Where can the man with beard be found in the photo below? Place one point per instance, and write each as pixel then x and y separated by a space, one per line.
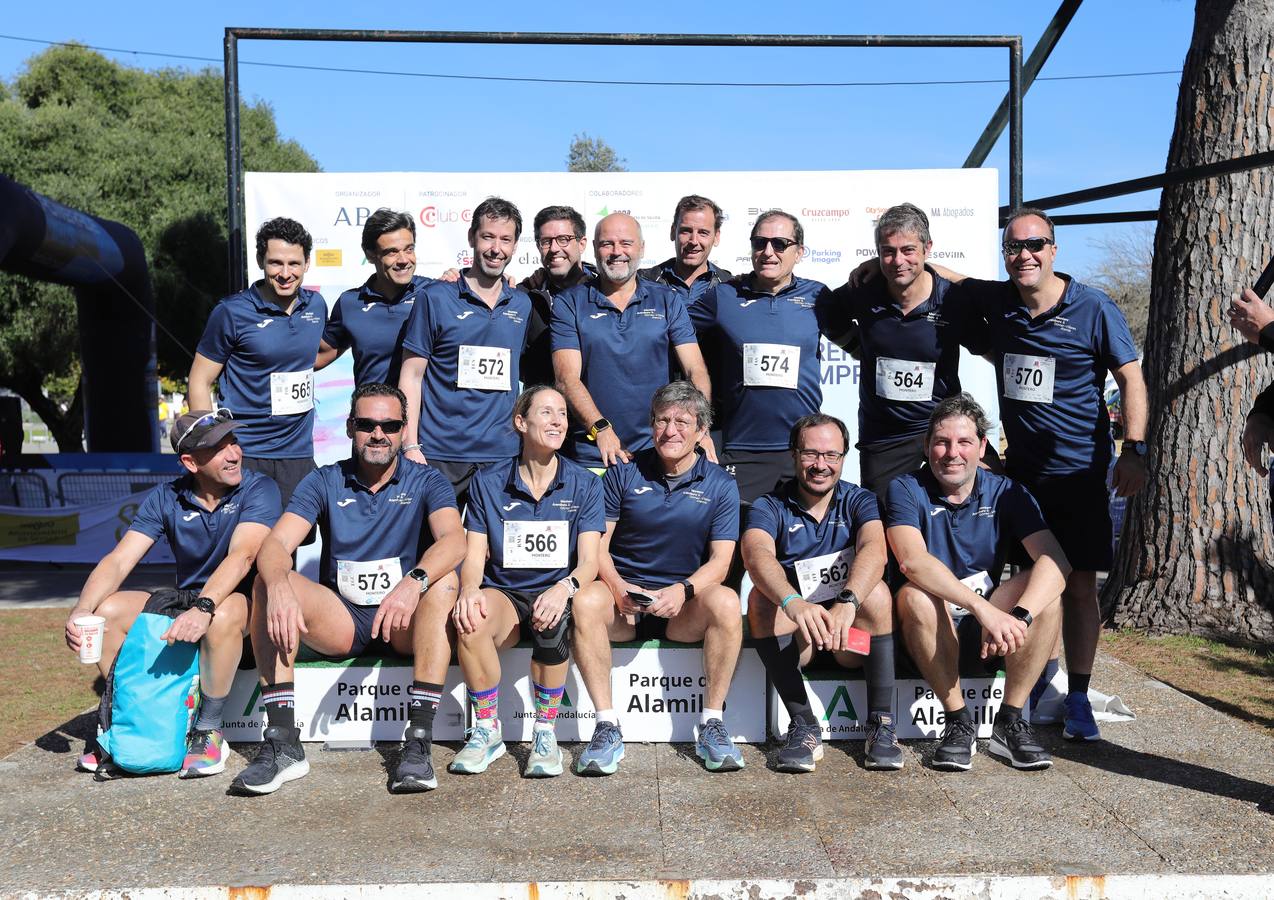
pixel 951 526
pixel 371 320
pixel 391 542
pixel 559 235
pixel 462 354
pixel 614 341
pixel 815 549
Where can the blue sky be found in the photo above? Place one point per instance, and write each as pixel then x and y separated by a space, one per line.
pixel 1079 133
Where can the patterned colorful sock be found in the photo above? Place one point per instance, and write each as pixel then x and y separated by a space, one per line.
pixel 280 704
pixel 210 712
pixel 422 703
pixel 485 703
pixel 546 701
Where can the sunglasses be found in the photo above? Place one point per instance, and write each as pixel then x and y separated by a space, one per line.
pixel 212 418
pixel 1034 245
pixel 781 244
pixel 388 426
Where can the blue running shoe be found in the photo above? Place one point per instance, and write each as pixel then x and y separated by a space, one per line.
pixel 604 751
pixel 1080 724
pixel 1045 702
pixel 713 744
pixel 483 747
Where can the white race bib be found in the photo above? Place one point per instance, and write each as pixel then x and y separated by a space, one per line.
pixel 771 365
pixel 367 583
pixel 1029 378
pixel 980 584
pixel 903 379
pixel 484 368
pixel 537 545
pixel 291 392
pixel 822 578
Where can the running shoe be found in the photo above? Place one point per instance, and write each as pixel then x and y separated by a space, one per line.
pixel 483 747
pixel 1015 741
pixel 958 745
pixel 1080 724
pixel 713 744
pixel 415 770
pixel 604 751
pixel 802 749
pixel 89 759
pixel 882 750
pixel 282 759
pixel 206 754
pixel 545 760
pixel 1045 701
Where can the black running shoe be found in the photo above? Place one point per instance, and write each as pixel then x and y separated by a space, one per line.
pixel 415 771
pixel 1016 742
pixel 958 745
pixel 282 759
pixel 804 747
pixel 881 746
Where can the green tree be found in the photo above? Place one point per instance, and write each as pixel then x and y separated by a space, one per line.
pixel 593 155
pixel 147 150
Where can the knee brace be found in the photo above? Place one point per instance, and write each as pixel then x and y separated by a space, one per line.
pixel 552 646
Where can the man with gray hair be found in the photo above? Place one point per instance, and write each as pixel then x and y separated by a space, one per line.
pixel 951 526
pixel 672 520
pixel 910 331
pixel 614 340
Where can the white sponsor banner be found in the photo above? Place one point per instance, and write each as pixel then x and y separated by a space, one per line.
pixel 839 701
pixel 920 713
pixel 838 210
pixel 72 534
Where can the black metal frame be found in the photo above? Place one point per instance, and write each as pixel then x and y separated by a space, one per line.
pixel 234 158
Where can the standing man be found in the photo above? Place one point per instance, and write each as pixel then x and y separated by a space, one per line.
pixel 1054 339
pixel 615 340
pixel 768 324
pixel 560 237
pixel 1254 319
pixel 951 526
pixel 391 542
pixel 815 549
pixel 260 345
pixel 462 356
pixel 696 230
pixel 910 333
pixel 372 319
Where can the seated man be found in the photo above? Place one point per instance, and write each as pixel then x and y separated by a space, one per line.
pixel 672 520
pixel 815 549
pixel 950 527
pixel 214 518
pixel 378 559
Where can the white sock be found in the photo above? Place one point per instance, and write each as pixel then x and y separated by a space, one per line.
pixel 711 714
pixel 607 715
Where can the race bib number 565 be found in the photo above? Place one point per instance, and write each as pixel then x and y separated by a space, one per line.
pixel 291 392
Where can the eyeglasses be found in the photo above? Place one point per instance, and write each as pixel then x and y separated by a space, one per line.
pixel 1034 245
pixel 809 456
pixel 781 244
pixel 389 426
pixel 212 418
pixel 562 241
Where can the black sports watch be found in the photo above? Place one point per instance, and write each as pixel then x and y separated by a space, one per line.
pixel 1137 447
pixel 203 604
pixel 690 589
pixel 422 576
pixel 1021 612
pixel 848 596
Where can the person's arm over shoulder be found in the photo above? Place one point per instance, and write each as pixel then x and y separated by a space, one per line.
pixel 592 512
pixel 703 314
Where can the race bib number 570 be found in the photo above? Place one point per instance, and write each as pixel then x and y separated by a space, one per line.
pixel 1029 378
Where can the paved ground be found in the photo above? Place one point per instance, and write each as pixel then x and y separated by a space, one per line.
pixel 1183 789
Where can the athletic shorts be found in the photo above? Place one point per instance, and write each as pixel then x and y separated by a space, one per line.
pixel 757 472
pixel 286 473
pixel 883 461
pixel 459 474
pixel 969 634
pixel 363 617
pixel 1077 510
pixel 523 602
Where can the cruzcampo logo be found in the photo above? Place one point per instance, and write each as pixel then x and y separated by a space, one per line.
pixel 840 695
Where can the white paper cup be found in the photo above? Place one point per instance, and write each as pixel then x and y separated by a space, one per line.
pixel 92 630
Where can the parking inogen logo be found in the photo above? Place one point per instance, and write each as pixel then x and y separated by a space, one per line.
pixel 840 695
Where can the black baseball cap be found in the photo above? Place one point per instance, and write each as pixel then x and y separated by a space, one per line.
pixel 201 428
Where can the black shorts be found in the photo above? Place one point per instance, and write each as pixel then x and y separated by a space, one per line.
pixel 969 634
pixel 1077 510
pixel 651 628
pixel 363 617
pixel 459 473
pixel 286 473
pixel 757 472
pixel 523 602
pixel 883 461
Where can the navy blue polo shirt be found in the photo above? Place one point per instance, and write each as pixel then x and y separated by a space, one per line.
pixel 361 527
pixel 693 292
pixel 268 375
pixel 974 536
pixel 662 535
pixel 625 356
pixel 909 362
pixel 200 538
pixel 455 330
pixel 797 536
pixel 773 339
pixel 1051 372
pixel 498 497
pixel 373 326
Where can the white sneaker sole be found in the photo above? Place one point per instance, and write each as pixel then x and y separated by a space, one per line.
pixel 460 768
pixel 215 769
pixel 291 773
pixel 817 754
pixel 947 766
pixel 995 748
pixel 544 769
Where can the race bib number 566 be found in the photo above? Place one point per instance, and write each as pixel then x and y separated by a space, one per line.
pixel 537 545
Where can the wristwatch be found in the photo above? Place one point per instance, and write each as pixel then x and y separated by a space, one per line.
pixel 1021 612
pixel 203 604
pixel 572 585
pixel 690 589
pixel 1137 447
pixel 848 596
pixel 599 426
pixel 422 576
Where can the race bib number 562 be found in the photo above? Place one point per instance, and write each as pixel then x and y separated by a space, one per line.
pixel 822 578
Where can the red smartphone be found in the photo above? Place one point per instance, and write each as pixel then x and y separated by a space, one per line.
pixel 859 641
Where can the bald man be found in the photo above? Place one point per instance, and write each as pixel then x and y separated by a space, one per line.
pixel 615 341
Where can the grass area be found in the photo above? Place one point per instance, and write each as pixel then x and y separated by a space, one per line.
pixel 1234 680
pixel 44 683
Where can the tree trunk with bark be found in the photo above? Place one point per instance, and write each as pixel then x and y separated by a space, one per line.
pixel 1196 549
